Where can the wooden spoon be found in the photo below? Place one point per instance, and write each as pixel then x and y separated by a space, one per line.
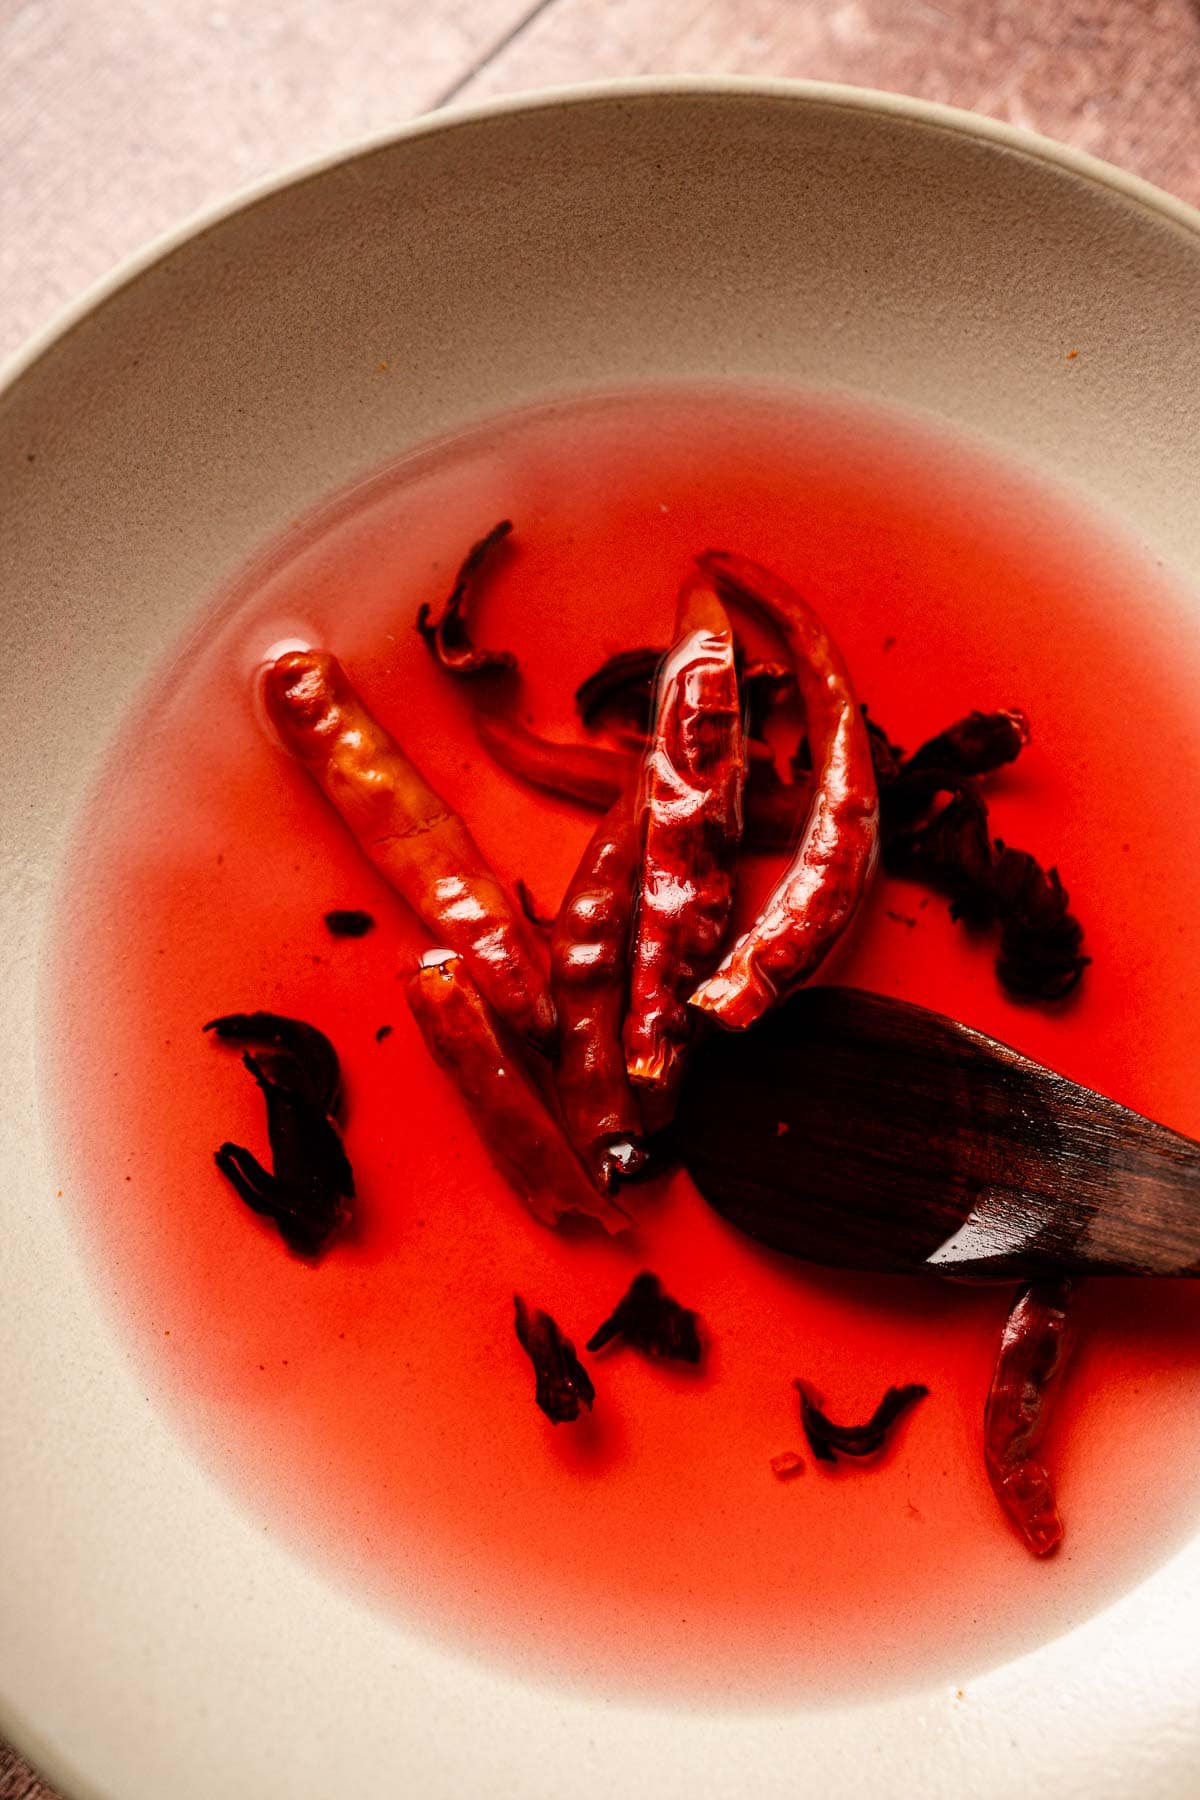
pixel 855 1130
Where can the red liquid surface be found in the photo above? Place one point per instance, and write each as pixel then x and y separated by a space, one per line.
pixel 377 1410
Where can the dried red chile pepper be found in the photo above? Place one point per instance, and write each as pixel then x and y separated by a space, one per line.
pixel 691 805
pixel 596 776
pixel 524 1141
pixel 651 1321
pixel 562 1384
pixel 815 900
pixel 418 844
pixel 589 963
pixel 309 1187
pixel 589 773
pixel 828 1441
pixel 1034 1347
pixel 1040 955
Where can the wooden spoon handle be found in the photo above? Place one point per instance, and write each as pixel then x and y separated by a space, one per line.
pixel 864 1132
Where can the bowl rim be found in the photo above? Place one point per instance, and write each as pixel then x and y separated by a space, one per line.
pixel 957 120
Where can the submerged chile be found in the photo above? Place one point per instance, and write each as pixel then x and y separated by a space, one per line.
pixel 1034 1347
pixel 309 1187
pixel 690 826
pixel 589 971
pixel 620 693
pixel 523 1139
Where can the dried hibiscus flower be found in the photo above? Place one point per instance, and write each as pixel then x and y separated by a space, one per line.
pixel 563 1385
pixel 652 1322
pixel 828 1441
pixel 1033 1353
pixel 310 1184
pixel 448 636
pixel 1041 955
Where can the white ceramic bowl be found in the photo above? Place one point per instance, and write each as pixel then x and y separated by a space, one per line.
pixel 154 1640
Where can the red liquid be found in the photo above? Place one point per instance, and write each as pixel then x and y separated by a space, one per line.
pixel 377 1410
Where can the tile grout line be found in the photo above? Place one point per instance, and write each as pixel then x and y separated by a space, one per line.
pixel 502 43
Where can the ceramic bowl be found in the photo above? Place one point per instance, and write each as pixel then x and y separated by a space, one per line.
pixel 155 1639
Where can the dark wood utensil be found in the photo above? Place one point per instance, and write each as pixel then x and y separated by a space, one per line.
pixel 855 1130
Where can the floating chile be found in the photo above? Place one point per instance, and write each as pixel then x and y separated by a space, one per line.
pixel 828 1441
pixel 562 1384
pixel 307 1191
pixel 651 1321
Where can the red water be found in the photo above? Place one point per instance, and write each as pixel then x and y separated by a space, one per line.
pixel 376 1411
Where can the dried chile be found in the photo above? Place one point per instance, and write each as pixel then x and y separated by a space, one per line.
pixel 690 828
pixel 507 1109
pixel 421 847
pixel 596 776
pixel 652 1322
pixel 562 1384
pixel 816 898
pixel 589 773
pixel 1034 1347
pixel 934 822
pixel 828 1441
pixel 309 1187
pixel 589 975
pixel 448 636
